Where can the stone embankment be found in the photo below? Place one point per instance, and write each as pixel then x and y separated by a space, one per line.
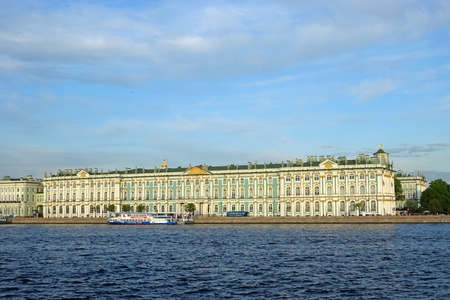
pixel 326 220
pixel 260 220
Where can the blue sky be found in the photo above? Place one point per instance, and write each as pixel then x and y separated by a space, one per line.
pixel 113 84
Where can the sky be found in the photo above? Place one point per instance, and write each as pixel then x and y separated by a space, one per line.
pixel 117 84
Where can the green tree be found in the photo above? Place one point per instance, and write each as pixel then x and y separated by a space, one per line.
pixel 140 208
pixel 126 207
pixel 436 198
pixel 111 208
pixel 360 206
pixel 398 190
pixel 411 206
pixel 190 208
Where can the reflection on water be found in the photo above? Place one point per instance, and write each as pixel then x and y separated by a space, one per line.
pixel 225 261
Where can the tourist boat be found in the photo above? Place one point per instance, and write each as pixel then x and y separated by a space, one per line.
pixel 143 219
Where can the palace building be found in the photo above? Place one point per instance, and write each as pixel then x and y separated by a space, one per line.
pixel 319 186
pixel 413 186
pixel 21 197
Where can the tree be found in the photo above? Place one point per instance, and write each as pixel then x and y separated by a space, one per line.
pixel 140 208
pixel 126 207
pixel 111 208
pixel 359 207
pixel 436 198
pixel 411 206
pixel 398 190
pixel 190 208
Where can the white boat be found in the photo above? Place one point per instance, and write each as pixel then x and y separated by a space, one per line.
pixel 143 219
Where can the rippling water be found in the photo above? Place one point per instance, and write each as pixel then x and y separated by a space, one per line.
pixel 225 261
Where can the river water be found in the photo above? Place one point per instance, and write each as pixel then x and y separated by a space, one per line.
pixel 225 261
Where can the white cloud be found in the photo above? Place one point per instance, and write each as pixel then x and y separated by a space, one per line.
pixel 370 89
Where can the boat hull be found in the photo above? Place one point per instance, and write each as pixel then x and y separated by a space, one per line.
pixel 139 223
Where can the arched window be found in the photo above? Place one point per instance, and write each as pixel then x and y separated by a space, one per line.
pixel 260 208
pixel 352 190
pixel 251 194
pixel 297 207
pixel 329 206
pixel 207 193
pixel 197 193
pixel 307 206
pixel 307 178
pixel 260 192
pixel 316 190
pixel 288 191
pixel 216 194
pixel 188 193
pixel 233 207
pixel 372 188
pixel 242 207
pixel 67 209
pixel 224 208
pixel 329 190
pixel 307 192
pixel 297 191
pixel 362 190
pixel 251 208
pixel 270 192
pixel 288 207
pixel 342 206
pixel 270 207
pixel 373 205
pixel 74 209
pixel 224 193
pixel 242 193
pixel 341 190
pixel 233 193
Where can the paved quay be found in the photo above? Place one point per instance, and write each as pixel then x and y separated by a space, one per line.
pixel 260 220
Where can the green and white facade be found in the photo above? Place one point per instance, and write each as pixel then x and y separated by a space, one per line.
pixel 412 186
pixel 320 186
pixel 21 197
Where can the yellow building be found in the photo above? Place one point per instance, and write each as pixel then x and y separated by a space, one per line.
pixel 21 197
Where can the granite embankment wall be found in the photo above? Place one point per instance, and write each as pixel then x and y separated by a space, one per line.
pixel 260 220
pixel 326 220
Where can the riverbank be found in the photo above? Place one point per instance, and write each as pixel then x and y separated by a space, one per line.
pixel 259 220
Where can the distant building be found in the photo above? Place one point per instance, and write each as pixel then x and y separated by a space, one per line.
pixel 320 186
pixel 21 197
pixel 412 185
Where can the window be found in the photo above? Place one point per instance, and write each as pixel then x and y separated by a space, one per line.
pixel 251 180
pixel 288 207
pixel 372 176
pixel 373 205
pixel 270 179
pixel 329 206
pixel 242 180
pixel 288 191
pixel 297 191
pixel 328 177
pixel 297 177
pixel 372 189
pixel 216 181
pixel 251 194
pixel 352 190
pixel 242 207
pixel 306 177
pixel 233 193
pixel 362 190
pixel 351 176
pixel 216 208
pixel 341 190
pixel 242 193
pixel 316 190
pixel 297 207
pixel 316 177
pixel 197 182
pixel 260 180
pixel 270 207
pixel 307 192
pixel 260 192
pixel 361 176
pixel 270 192
pixel 342 206
pixel 224 193
pixel 74 209
pixel 188 182
pixel 329 190
pixel 250 208
pixel 288 178
pixel 260 208
pixel 224 181
pixel 316 206
pixel 341 176
pixel 233 207
pixel 307 207
pixel 216 193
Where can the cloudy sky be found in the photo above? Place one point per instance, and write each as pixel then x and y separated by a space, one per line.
pixel 116 84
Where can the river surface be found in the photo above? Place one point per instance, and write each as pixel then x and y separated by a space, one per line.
pixel 225 262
